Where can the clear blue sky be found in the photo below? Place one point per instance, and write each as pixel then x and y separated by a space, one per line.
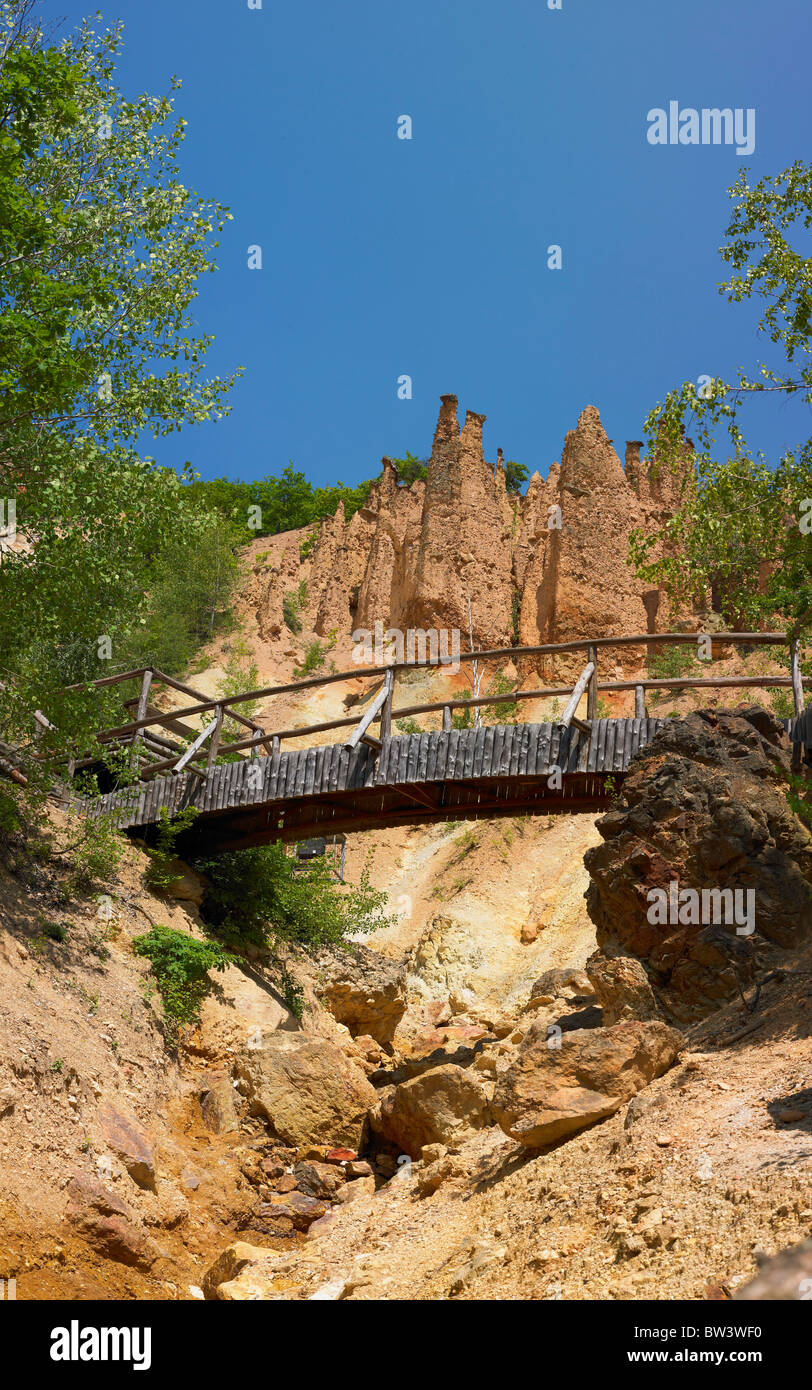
pixel 429 257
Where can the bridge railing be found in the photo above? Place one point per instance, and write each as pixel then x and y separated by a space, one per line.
pixel 139 732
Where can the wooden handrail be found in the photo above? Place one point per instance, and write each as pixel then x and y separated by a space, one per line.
pixel 382 703
pixel 774 639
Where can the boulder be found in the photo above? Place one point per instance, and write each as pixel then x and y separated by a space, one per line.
pixel 363 990
pixel 105 1223
pixel 319 1179
pixel 257 1264
pixel 622 987
pixel 443 1106
pixel 291 1209
pixel 787 1276
pixel 188 886
pixel 239 1015
pixel 131 1143
pixel 568 984
pixel 307 1090
pixel 359 1187
pixel 550 1092
pixel 442 1170
pixel 217 1105
pixel 704 808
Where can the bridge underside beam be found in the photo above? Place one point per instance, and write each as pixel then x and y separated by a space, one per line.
pixel 376 808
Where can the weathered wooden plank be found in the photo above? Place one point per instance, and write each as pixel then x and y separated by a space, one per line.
pixel 602 732
pixel 620 744
pixel 361 766
pixel 151 805
pixel 273 779
pixel 318 770
pixel 383 761
pixel 395 746
pixel 609 749
pixel 515 749
pixel 301 773
pixel 478 752
pixel 555 746
pixel 453 745
pixel 496 752
pixel 414 753
pixel 291 768
pixel 577 694
pixel 635 737
pixel 528 745
pixel 593 746
pixel 582 757
pixel 441 757
pixel 504 756
pixel 431 758
pixel 224 797
pixel 628 743
pixel 389 761
pixel 403 759
pixel 218 787
pixel 543 749
pixel 527 764
pixel 422 757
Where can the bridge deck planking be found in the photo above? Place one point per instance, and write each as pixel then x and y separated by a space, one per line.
pixel 494 770
pixel 499 765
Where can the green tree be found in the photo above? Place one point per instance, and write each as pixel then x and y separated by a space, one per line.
pixel 119 356
pixel 411 469
pixel 258 897
pixel 745 528
pixel 516 475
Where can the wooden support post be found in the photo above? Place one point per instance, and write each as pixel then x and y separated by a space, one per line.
pixel 141 713
pixel 639 702
pixel 379 704
pixel 199 741
pixel 276 744
pixel 798 697
pixel 386 712
pixel 447 724
pixel 797 683
pixel 40 723
pixel 592 691
pixel 569 716
pixel 215 740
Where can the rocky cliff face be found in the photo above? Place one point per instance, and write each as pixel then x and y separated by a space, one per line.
pixel 704 812
pixel 535 569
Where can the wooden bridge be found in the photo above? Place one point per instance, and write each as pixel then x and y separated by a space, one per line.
pixel 250 791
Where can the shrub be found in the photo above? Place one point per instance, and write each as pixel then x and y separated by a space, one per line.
pixel 97 856
pixel 256 897
pixel 53 930
pixel 306 545
pixel 292 604
pixel 159 874
pixel 463 718
pixel 181 966
pixel 672 661
pixel 503 713
pixel 313 661
pixel 783 704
